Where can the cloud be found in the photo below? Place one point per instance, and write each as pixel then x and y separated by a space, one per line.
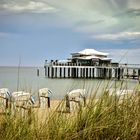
pixel 82 13
pixel 89 23
pixel 106 19
pixel 131 12
pixel 8 35
pixel 135 4
pixel 100 17
pixel 4 34
pixel 118 36
pixel 129 56
pixel 27 6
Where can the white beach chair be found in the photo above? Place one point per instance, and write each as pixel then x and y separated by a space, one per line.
pixel 74 97
pixel 44 97
pixel 22 102
pixel 22 99
pixel 122 93
pixel 5 97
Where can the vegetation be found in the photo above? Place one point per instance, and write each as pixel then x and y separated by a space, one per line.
pixel 108 118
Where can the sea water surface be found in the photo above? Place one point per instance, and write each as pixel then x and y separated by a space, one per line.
pixel 25 78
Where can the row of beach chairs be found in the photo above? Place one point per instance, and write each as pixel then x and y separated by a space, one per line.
pixel 25 100
pixel 22 99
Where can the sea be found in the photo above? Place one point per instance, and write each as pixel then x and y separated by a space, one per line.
pixel 27 79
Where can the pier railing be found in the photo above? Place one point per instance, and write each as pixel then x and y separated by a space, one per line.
pixel 54 63
pixel 133 66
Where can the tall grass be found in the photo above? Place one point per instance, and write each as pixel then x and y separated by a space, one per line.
pixel 106 118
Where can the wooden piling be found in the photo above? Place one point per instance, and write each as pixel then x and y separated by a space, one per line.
pixel 119 72
pixel 64 73
pixel 72 73
pixel 52 72
pixel 77 72
pixel 92 72
pixel 86 72
pixel 68 72
pixel 83 73
pixel 60 72
pixel 122 73
pixel 134 73
pixel 55 72
pixel 127 73
pixel 37 72
pixel 110 73
pixel 104 74
pixel 138 72
pixel 45 71
pixel 139 75
pixel 116 73
pixel 48 71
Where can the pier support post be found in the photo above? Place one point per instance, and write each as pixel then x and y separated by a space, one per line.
pixel 134 73
pixel 118 73
pixel 38 72
pixel 64 72
pixel 104 74
pixel 73 72
pixel 52 72
pixel 45 71
pixel 60 72
pixel 127 73
pixel 48 71
pixel 68 72
pixel 139 75
pixel 89 72
pixel 77 72
pixel 122 73
pixel 81 72
pixel 110 73
pixel 93 72
pixel 86 72
pixel 55 72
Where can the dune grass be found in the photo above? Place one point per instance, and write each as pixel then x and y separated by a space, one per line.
pixel 108 118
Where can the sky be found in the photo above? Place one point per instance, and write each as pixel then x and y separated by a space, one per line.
pixel 32 31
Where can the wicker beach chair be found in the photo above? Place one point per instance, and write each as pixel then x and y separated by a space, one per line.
pixel 5 98
pixel 44 97
pixel 75 98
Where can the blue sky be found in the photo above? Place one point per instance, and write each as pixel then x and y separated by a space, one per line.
pixel 52 29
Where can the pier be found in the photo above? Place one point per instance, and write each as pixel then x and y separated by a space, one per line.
pixel 72 70
pixel 90 63
pixel 131 71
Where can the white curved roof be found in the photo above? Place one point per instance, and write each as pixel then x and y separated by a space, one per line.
pixel 92 52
